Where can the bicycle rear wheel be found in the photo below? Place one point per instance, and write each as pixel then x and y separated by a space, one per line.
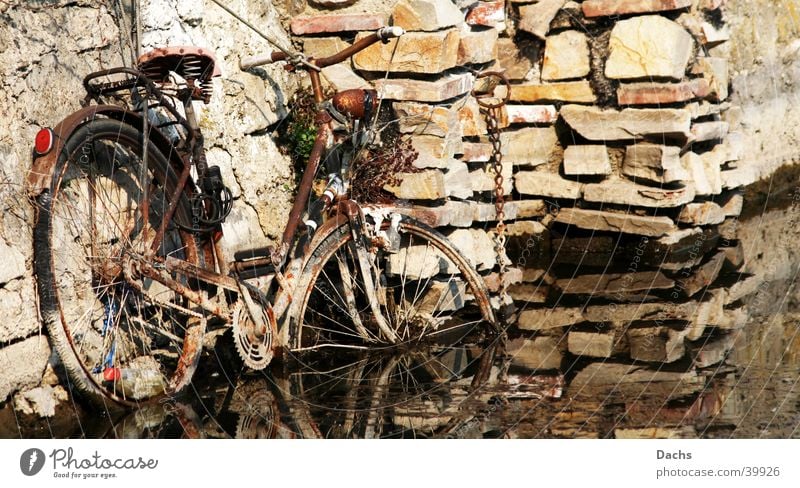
pixel 425 291
pixel 118 338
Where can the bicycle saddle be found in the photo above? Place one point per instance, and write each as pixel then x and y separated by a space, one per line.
pixel 190 62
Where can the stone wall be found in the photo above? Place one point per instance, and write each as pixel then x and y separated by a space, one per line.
pixel 764 53
pixel 622 159
pixel 40 74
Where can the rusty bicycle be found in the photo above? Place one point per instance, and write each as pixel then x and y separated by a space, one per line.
pixel 131 277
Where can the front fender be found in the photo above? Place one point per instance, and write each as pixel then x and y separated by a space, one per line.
pixel 40 176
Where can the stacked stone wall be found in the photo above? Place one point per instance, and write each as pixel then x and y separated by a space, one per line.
pixel 622 159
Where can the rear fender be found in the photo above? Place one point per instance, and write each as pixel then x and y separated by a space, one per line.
pixel 40 176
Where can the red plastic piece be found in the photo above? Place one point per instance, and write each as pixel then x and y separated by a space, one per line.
pixel 44 141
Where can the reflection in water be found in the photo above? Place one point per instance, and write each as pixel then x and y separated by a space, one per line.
pixel 748 391
pixel 474 393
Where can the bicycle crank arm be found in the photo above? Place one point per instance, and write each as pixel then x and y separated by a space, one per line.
pixel 192 348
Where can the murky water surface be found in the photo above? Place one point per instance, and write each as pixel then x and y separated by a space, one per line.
pixel 471 393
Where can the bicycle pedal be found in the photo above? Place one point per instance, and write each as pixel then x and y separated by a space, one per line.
pixel 255 253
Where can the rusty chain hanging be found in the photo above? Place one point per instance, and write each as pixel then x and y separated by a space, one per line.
pixel 491 107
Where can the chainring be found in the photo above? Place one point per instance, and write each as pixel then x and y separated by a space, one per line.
pixel 254 354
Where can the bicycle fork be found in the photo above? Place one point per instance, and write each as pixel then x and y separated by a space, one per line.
pixel 371 288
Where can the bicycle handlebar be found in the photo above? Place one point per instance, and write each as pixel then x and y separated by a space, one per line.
pixel 382 34
pixel 260 60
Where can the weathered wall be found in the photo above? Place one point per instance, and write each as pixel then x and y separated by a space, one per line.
pixel 40 75
pixel 764 53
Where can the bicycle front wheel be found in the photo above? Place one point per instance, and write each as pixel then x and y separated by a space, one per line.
pixel 118 338
pixel 422 290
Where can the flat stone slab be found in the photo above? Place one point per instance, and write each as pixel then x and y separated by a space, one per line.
pixel 616 222
pixel 654 162
pixel 424 119
pixel 433 151
pixel 646 47
pixel 319 24
pixel 566 56
pixel 536 353
pixel 614 283
pixel 531 114
pixel 536 18
pixel 656 344
pixel 627 193
pixel 545 184
pixel 703 276
pixel 702 213
pixel 530 146
pixel 598 124
pixel 414 52
pixel 489 14
pixel 426 15
pixel 591 344
pixel 705 172
pixel 590 159
pixel 425 185
pixel 715 71
pixel 477 152
pixel 709 131
pixel 549 318
pixel 708 312
pixel 604 8
pixel 567 91
pixel 662 93
pixel 477 46
pixel 445 88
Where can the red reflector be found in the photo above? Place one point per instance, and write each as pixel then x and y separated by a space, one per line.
pixel 44 141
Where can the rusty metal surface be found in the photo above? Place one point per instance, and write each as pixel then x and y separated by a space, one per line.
pixel 304 191
pixel 218 309
pixel 346 53
pixel 190 354
pixel 191 271
pixel 173 205
pixel 192 63
pixel 40 176
pixel 358 103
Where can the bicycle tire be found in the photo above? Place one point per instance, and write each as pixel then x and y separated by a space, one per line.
pixel 86 223
pixel 442 271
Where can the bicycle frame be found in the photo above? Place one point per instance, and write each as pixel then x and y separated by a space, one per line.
pixel 188 152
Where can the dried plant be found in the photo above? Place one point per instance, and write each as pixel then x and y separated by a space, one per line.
pixel 381 165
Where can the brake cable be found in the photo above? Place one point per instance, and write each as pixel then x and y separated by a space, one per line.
pixel 295 57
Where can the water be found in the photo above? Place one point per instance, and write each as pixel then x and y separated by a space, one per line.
pixel 468 393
